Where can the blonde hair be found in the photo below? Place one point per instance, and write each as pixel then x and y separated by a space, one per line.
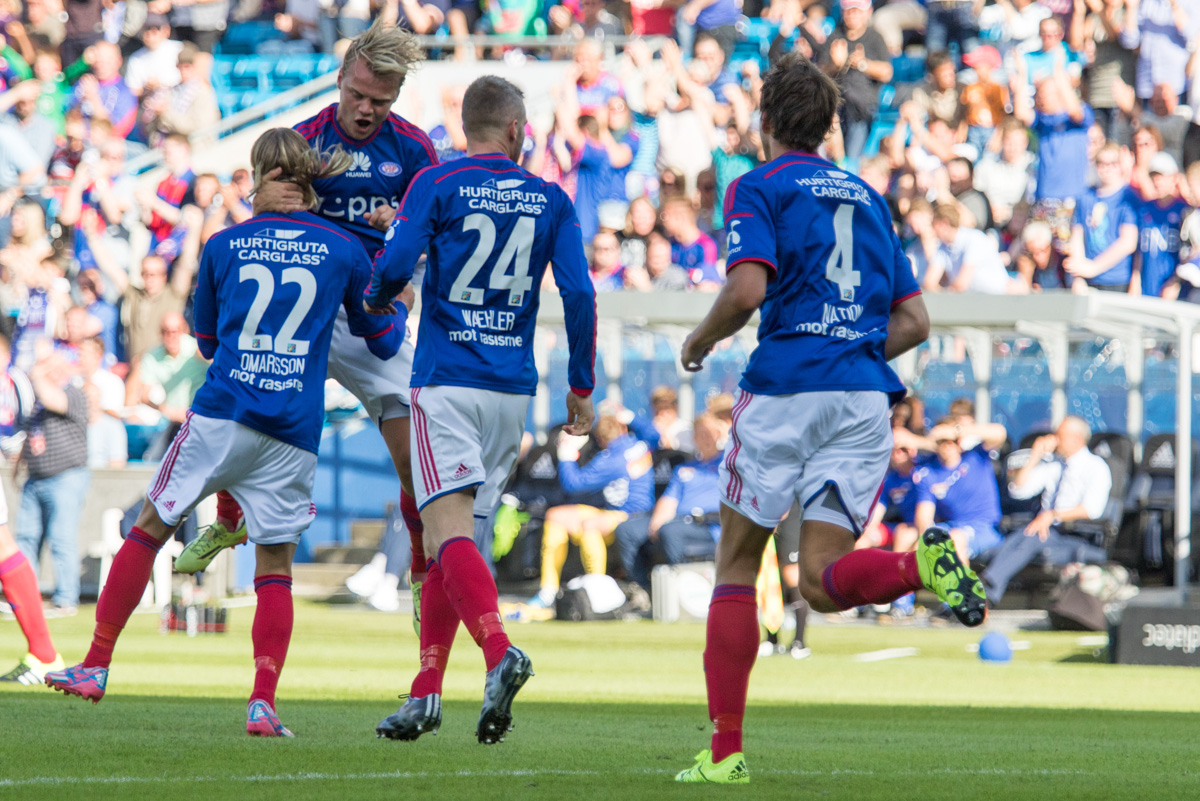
pixel 387 50
pixel 298 163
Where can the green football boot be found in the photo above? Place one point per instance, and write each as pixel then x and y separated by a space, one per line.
pixel 944 573
pixel 730 770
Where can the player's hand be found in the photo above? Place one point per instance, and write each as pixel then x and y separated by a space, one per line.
pixel 381 217
pixel 407 296
pixel 280 197
pixel 693 355
pixel 580 415
pixel 382 311
pixel 1044 445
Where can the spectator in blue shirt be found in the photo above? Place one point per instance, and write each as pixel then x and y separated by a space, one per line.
pixel 1105 234
pixel 716 18
pixel 686 519
pixel 1061 122
pixel 448 138
pixel 603 161
pixel 691 248
pixel 623 471
pixel 1160 223
pixel 959 490
pixel 608 274
pixel 892 520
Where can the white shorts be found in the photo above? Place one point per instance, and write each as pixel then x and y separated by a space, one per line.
pixel 380 386
pixel 271 480
pixel 3 508
pixel 465 437
pixel 798 447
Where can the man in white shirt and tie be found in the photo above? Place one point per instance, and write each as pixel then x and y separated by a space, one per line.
pixel 1075 484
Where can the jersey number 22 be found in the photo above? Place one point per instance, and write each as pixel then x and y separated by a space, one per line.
pixel 283 342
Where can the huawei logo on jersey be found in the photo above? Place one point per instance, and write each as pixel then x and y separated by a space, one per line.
pixel 360 167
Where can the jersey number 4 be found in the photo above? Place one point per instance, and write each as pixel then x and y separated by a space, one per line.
pixel 283 342
pixel 516 251
pixel 840 267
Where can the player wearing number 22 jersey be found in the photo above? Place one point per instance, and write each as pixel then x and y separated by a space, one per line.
pixel 267 294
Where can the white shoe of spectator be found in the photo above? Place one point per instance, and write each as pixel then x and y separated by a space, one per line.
pixel 367 579
pixel 386 597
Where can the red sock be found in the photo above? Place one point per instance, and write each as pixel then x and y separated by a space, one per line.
pixel 871 576
pixel 20 587
pixel 416 537
pixel 472 593
pixel 271 633
pixel 127 579
pixel 439 624
pixel 228 510
pixel 729 652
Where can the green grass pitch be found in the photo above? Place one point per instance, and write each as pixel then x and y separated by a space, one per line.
pixel 614 711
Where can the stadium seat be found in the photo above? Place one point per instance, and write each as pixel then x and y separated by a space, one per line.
pixel 1152 497
pixel 665 462
pixel 908 69
pixel 243 38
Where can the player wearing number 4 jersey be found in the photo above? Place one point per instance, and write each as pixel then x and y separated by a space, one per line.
pixel 387 153
pixel 489 228
pixel 267 293
pixel 814 248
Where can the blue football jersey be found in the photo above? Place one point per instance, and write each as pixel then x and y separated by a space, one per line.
pixel 384 165
pixel 1158 242
pixel 838 270
pixel 267 293
pixel 963 494
pixel 490 229
pixel 1102 217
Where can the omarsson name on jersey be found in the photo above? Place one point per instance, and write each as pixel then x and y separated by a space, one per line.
pixel 502 197
pixel 278 251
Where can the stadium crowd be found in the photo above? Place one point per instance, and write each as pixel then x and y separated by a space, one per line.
pixel 1021 145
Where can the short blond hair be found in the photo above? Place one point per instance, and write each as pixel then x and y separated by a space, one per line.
pixel 387 50
pixel 297 162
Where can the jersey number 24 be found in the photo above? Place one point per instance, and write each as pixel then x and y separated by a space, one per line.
pixel 516 251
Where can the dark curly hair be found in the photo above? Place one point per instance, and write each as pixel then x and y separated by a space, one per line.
pixel 799 102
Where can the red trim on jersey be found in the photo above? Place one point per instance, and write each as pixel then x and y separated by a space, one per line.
pixel 164 473
pixel 909 296
pixel 819 162
pixel 205 336
pixel 406 128
pixel 416 409
pixel 583 393
pixel 294 221
pixel 424 450
pixel 731 196
pixel 411 183
pixel 739 214
pixel 381 333
pixel 735 478
pixel 774 268
pixel 313 125
pixel 513 168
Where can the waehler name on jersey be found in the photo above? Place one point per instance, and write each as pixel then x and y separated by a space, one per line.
pixel 503 198
pixel 282 250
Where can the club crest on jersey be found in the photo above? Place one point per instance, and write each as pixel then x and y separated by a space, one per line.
pixel 390 168
pixel 284 233
pixel 361 166
pixel 511 183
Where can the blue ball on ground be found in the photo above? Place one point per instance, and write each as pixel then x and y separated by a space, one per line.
pixel 995 647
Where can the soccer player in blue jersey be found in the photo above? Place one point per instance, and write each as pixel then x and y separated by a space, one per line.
pixel 387 152
pixel 489 228
pixel 267 294
pixel 812 249
pixel 1160 222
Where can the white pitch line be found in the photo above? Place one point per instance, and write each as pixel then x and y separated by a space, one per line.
pixel 886 653
pixel 484 774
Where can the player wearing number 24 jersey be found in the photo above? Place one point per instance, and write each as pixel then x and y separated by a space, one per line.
pixel 490 229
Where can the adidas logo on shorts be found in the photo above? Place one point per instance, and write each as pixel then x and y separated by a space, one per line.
pixel 170 505
pixel 462 472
